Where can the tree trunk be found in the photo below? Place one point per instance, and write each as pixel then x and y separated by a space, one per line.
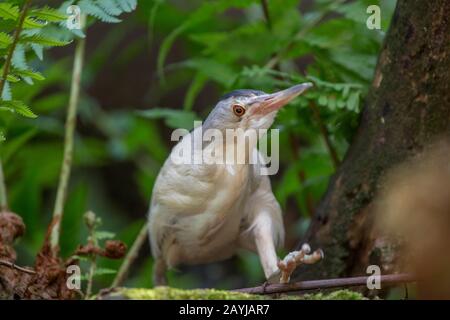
pixel 407 108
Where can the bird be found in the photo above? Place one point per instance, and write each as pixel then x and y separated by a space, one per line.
pixel 203 212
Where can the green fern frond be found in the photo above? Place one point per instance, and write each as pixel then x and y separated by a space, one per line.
pixel 8 11
pixel 48 14
pixel 12 78
pixel 5 40
pixel 6 94
pixel 11 12
pixel 38 50
pixel 90 8
pixel 17 106
pixel 110 7
pixel 127 5
pixel 43 41
pixel 18 58
pixel 30 23
pixel 28 73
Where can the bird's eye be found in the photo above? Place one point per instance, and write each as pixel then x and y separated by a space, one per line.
pixel 238 110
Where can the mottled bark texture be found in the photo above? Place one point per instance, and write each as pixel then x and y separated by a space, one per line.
pixel 407 108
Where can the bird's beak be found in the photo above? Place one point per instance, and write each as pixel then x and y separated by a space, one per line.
pixel 267 103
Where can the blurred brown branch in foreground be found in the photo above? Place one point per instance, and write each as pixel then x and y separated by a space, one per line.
pixel 414 206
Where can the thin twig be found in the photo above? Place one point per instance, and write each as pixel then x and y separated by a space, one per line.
pixel 6 67
pixel 390 279
pixel 15 266
pixel 325 135
pixel 68 142
pixel 91 275
pixel 265 7
pixel 130 257
pixel 91 222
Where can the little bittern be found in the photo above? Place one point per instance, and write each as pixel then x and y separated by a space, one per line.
pixel 203 212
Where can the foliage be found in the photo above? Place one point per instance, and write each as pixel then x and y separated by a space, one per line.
pixel 43 27
pixel 187 53
pixel 16 41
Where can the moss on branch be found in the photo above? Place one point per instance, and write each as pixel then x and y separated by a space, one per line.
pixel 167 293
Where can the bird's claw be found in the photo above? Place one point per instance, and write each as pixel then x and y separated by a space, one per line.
pixel 296 258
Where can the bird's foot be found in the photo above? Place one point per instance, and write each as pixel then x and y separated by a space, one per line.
pixel 296 258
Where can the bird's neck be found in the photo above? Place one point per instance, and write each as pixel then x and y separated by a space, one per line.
pixel 233 146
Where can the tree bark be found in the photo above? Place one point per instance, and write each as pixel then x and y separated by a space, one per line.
pixel 407 108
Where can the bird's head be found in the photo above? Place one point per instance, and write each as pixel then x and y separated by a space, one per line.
pixel 251 109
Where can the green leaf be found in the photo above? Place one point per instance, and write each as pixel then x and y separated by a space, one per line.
pixel 110 7
pixel 127 5
pixel 323 100
pixel 18 59
pixel 43 41
pixel 90 8
pixel 38 50
pixel 196 86
pixel 11 12
pixel 6 94
pixel 30 23
pixel 331 103
pixel 167 45
pixel 5 40
pixel 28 73
pixel 48 14
pixel 361 65
pixel 8 11
pixel 345 91
pixel 12 78
pixel 355 11
pixel 219 72
pixel 17 107
pixel 353 101
pixel 173 118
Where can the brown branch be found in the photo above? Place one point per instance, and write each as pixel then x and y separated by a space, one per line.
pixel 114 249
pixel 326 284
pixel 15 266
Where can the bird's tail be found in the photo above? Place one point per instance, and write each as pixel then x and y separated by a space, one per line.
pixel 159 272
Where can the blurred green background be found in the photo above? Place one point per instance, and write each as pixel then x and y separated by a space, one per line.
pixel 164 65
